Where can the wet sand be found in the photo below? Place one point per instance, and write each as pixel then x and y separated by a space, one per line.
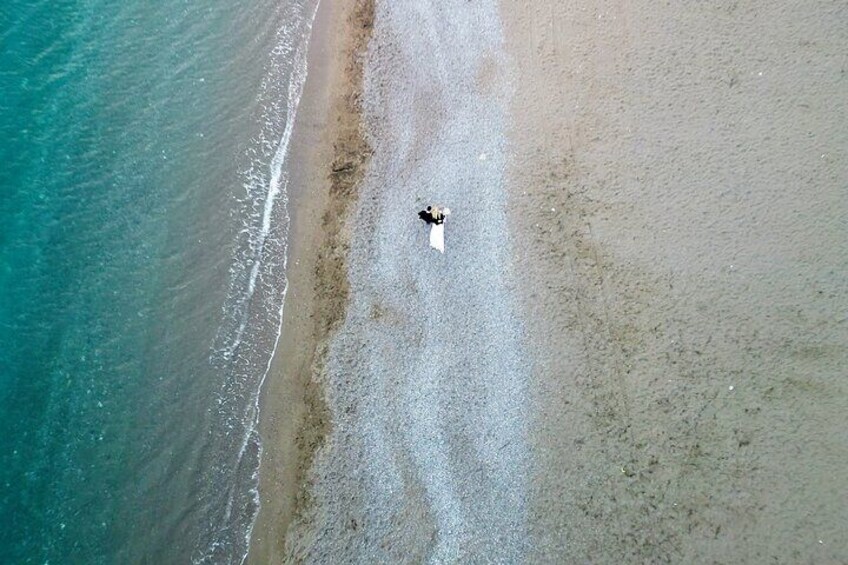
pixel 330 152
pixel 634 347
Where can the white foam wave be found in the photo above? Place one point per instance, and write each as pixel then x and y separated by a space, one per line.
pixel 253 314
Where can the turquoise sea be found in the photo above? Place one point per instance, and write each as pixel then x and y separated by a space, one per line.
pixel 142 254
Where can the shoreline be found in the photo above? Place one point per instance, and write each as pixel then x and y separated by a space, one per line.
pixel 330 155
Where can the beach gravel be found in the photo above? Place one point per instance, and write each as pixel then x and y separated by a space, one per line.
pixel 426 379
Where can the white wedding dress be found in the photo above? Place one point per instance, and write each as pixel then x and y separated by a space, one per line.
pixel 437 233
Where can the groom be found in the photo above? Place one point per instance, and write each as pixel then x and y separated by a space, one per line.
pixel 432 215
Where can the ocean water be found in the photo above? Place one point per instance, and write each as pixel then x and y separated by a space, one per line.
pixel 142 270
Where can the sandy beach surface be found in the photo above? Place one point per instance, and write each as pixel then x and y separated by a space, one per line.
pixel 679 177
pixel 331 152
pixel 634 348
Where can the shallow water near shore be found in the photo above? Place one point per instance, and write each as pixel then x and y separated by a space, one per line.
pixel 142 254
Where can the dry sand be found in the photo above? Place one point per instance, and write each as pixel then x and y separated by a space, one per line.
pixel 680 188
pixel 634 349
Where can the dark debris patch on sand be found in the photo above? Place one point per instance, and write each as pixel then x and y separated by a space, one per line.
pixel 351 153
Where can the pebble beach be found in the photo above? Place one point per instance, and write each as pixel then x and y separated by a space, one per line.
pixel 632 348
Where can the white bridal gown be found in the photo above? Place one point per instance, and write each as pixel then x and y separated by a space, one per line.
pixel 437 234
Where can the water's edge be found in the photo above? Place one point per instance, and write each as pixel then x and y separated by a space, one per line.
pixel 259 289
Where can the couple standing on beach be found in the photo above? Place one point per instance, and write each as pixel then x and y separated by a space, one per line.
pixel 435 216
